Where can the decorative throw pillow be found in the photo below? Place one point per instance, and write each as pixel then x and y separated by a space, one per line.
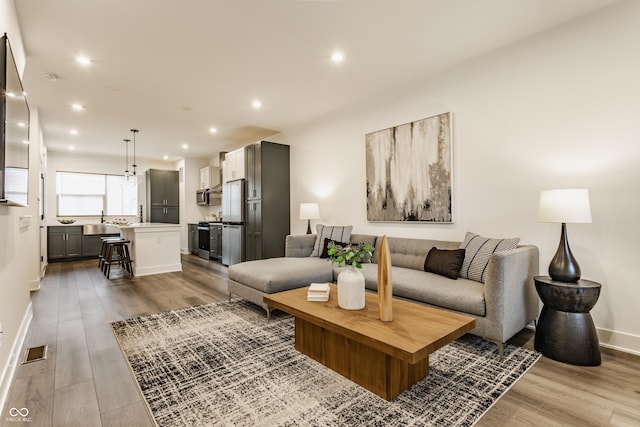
pixel 339 234
pixel 325 247
pixel 444 262
pixel 478 252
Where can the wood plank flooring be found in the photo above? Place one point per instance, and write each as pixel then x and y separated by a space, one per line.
pixel 85 381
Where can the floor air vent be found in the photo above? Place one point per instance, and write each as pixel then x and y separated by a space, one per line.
pixel 35 353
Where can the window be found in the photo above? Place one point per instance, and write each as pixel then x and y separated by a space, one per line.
pixel 90 194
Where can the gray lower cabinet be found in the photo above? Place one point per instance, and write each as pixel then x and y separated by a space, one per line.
pixel 64 242
pixel 193 239
pixel 215 242
pixel 92 244
pixel 253 234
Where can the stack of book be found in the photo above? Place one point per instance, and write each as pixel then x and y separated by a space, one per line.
pixel 318 292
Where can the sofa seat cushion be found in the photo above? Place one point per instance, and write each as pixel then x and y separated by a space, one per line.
pixel 462 295
pixel 281 274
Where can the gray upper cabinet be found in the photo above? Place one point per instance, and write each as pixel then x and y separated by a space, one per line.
pixel 268 198
pixel 253 156
pixel 163 196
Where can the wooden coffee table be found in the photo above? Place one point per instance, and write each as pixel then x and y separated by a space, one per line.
pixel 386 358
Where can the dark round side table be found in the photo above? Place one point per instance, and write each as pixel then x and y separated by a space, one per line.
pixel 565 331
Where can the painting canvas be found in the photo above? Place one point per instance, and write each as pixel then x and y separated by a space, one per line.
pixel 409 172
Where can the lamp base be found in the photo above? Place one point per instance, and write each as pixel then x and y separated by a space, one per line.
pixel 564 266
pixel 308 226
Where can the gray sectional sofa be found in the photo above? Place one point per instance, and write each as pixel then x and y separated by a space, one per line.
pixel 504 304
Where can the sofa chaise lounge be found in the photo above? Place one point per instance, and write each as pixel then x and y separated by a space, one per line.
pixel 503 303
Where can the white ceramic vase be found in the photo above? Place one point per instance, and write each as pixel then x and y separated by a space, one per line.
pixel 351 289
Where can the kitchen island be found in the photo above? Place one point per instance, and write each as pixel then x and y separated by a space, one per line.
pixel 154 247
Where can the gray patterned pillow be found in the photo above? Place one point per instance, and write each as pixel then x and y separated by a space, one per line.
pixel 339 234
pixel 478 251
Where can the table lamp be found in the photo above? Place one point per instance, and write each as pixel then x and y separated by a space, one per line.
pixel 309 211
pixel 566 205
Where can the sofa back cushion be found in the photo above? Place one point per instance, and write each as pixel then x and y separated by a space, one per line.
pixel 411 253
pixel 445 262
pixel 478 252
pixel 332 232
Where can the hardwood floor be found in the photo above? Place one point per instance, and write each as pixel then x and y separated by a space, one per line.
pixel 85 380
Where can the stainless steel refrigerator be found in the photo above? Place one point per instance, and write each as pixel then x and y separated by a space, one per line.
pixel 233 211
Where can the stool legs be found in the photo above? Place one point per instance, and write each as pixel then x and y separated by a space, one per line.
pixel 117 252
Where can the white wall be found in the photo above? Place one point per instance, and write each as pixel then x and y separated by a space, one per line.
pixel 190 211
pixel 70 161
pixel 16 239
pixel 557 110
pixel 189 169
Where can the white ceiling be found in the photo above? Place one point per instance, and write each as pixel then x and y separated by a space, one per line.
pixel 174 68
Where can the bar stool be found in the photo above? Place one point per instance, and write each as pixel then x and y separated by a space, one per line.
pixel 117 253
pixel 103 251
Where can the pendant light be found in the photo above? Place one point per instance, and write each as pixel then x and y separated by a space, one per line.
pixel 134 131
pixel 126 166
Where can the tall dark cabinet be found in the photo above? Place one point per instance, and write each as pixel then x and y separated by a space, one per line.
pixel 163 196
pixel 267 218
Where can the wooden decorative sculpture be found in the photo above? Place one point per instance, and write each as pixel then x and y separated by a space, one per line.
pixel 384 282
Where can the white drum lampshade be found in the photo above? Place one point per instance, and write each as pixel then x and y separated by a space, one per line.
pixel 309 211
pixel 564 206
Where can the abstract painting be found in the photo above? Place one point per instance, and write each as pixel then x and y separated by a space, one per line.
pixel 409 172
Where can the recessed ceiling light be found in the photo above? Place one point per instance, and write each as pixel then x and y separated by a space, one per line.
pixel 165 157
pixel 84 60
pixel 185 146
pixel 74 132
pixel 72 147
pixel 77 107
pixel 51 76
pixel 11 94
pixel 22 124
pixel 25 142
pixel 337 57
pixel 213 130
pixel 256 104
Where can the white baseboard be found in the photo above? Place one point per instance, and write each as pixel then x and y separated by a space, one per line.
pixel 619 341
pixel 168 268
pixel 10 368
pixel 34 285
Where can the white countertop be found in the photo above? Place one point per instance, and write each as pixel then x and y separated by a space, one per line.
pixel 148 225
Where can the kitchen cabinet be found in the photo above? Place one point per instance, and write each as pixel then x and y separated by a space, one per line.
pixel 164 214
pixel 253 157
pixel 205 178
pixel 64 242
pixel 234 165
pixel 215 242
pixel 193 239
pixel 267 200
pixel 253 245
pixel 92 244
pixel 209 177
pixel 163 196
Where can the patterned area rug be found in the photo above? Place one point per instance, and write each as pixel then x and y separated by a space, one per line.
pixel 224 364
